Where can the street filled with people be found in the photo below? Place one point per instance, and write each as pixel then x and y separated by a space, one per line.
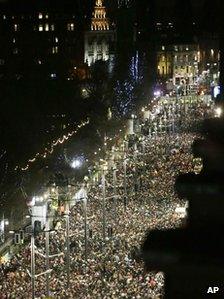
pixel 131 193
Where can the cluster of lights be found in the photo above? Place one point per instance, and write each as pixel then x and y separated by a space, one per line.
pixel 41 198
pixel 109 139
pixel 218 112
pixel 49 151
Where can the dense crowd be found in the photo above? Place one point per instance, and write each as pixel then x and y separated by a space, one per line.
pixel 114 268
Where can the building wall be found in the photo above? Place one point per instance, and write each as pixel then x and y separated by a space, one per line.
pixel 164 63
pixel 99 46
pixel 41 44
pixel 185 63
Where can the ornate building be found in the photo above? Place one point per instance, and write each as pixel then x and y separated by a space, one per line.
pixel 100 40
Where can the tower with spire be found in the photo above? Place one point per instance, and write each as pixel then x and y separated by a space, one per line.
pixel 99 19
pixel 100 39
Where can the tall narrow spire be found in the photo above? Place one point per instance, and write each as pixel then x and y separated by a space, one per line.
pixel 99 19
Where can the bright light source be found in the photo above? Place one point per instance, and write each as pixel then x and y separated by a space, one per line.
pixel 157 93
pixel 76 163
pixel 218 112
pixel 216 91
pixel 39 198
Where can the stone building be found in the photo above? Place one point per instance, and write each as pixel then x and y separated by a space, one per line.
pixel 100 39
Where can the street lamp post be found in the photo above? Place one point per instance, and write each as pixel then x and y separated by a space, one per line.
pixel 33 262
pixel 125 180
pixel 104 203
pixel 135 172
pixel 115 189
pixel 173 120
pixel 47 256
pixel 85 224
pixel 4 222
pixel 67 237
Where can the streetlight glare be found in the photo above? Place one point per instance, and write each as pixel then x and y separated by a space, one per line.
pixel 76 163
pixel 218 112
pixel 157 93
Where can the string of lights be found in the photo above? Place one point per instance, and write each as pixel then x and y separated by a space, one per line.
pixel 49 151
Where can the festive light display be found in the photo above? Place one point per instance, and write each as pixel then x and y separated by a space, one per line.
pixel 49 151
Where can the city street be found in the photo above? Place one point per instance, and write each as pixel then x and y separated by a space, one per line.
pixel 96 237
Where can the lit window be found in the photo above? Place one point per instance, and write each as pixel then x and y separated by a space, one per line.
pixel 163 48
pixel 46 16
pixel 16 27
pixel 55 50
pixel 14 40
pixel 46 27
pixel 41 28
pixel 52 27
pixel 212 52
pixel 70 26
pixel 13 17
pixel 15 51
pixel 53 76
pixel 40 16
pixel 4 17
pixel 56 39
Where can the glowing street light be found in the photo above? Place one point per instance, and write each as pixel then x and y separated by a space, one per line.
pixel 3 223
pixel 157 93
pixel 218 112
pixel 76 163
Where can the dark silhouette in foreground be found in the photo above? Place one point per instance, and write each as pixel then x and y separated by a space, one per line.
pixel 192 257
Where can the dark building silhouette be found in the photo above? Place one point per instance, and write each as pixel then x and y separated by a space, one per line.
pixel 40 40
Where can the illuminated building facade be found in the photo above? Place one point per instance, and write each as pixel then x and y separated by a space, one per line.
pixel 186 60
pixel 209 61
pixel 164 63
pixel 190 66
pixel 100 40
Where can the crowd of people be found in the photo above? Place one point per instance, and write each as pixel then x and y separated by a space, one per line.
pixel 112 267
